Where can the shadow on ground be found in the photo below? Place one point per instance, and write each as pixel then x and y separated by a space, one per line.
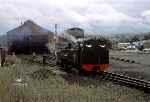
pixel 82 80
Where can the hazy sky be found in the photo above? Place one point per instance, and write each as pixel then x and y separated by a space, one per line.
pixel 97 16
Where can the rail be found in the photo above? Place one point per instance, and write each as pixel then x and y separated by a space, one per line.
pixel 116 78
pixel 129 81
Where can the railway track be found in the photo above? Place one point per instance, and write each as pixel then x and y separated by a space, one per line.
pixel 128 81
pixel 116 78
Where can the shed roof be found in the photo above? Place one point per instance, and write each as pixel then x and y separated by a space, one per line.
pixel 28 28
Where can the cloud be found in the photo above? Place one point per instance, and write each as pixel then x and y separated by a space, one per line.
pixel 95 16
pixel 146 16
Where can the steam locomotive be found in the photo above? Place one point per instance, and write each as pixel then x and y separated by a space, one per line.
pixel 88 57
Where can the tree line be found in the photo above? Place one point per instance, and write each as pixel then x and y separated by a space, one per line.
pixel 135 38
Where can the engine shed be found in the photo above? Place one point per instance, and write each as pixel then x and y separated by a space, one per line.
pixel 29 38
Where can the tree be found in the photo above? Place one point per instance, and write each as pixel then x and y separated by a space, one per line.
pixel 135 38
pixel 147 36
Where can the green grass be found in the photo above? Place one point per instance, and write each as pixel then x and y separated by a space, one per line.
pixel 7 76
pixel 58 88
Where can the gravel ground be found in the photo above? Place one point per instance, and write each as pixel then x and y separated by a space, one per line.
pixel 141 70
pixel 135 56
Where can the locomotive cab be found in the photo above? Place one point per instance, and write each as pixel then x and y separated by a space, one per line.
pixel 94 56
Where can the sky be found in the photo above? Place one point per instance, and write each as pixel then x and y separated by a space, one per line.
pixel 94 16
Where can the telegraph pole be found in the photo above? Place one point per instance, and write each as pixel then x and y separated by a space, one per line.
pixel 55 38
pixel 55 29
